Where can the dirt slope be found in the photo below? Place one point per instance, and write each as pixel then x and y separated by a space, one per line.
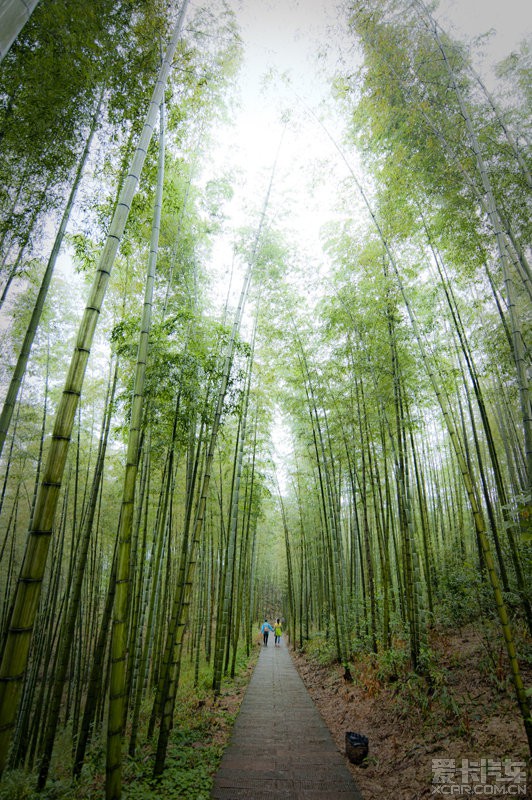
pixel 465 710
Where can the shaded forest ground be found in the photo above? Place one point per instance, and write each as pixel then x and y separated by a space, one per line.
pixel 464 709
pixel 202 727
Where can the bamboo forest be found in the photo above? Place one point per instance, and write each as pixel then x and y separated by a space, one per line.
pixel 234 391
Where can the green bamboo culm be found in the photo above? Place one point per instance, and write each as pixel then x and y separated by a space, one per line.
pixel 222 636
pixel 25 350
pixel 24 610
pixel 69 621
pixel 13 16
pixel 166 695
pixel 495 220
pixel 118 692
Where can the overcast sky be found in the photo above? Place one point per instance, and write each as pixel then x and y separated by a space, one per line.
pixel 286 36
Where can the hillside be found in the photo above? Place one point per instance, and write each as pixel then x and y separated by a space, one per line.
pixel 465 709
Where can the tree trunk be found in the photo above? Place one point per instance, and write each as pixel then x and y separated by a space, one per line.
pixel 13 16
pixel 119 638
pixel 15 654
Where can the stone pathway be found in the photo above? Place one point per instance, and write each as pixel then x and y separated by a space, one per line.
pixel 280 748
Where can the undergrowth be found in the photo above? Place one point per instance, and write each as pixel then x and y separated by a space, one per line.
pixel 201 728
pixel 320 648
pixel 429 695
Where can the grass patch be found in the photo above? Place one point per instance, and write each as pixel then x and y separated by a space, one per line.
pixel 320 648
pixel 202 725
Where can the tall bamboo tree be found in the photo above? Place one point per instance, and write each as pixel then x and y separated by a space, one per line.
pixel 16 647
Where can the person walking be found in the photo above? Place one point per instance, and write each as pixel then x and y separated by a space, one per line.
pixel 278 629
pixel 265 629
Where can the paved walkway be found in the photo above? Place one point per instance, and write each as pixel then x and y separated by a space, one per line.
pixel 280 748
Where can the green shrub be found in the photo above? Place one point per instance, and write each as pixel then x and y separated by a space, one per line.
pixel 392 664
pixel 462 595
pixel 194 750
pixel 320 648
pixel 17 785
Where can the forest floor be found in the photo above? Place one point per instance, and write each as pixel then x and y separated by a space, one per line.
pixel 202 727
pixel 464 710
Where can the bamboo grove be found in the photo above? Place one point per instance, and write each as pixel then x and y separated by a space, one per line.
pixel 146 523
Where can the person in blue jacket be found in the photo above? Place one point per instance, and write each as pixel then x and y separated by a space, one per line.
pixel 265 629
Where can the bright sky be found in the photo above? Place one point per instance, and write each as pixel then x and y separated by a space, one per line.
pixel 285 36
